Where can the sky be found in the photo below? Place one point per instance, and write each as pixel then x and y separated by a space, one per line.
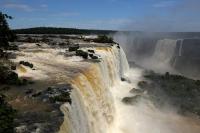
pixel 137 15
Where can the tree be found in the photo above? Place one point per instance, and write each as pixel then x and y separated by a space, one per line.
pixel 6 34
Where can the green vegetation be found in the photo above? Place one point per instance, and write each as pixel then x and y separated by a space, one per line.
pixel 103 39
pixel 53 30
pixel 176 90
pixel 6 34
pixel 64 97
pixel 7 115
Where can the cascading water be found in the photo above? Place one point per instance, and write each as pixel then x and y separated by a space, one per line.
pixel 180 48
pixel 93 109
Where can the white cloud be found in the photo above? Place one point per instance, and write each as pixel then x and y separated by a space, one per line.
pixel 23 7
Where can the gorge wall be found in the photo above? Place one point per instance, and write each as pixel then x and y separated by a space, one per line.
pixel 176 54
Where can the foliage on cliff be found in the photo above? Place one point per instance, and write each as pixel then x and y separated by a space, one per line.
pixel 7 115
pixel 54 30
pixel 103 39
pixel 178 91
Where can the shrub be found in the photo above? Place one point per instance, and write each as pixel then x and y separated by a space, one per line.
pixel 64 97
pixel 103 39
pixel 7 115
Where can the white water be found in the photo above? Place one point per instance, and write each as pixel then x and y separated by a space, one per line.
pixel 94 90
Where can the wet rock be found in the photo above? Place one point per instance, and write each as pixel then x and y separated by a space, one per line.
pixel 136 91
pixel 123 79
pixel 29 91
pixel 26 63
pixel 93 56
pixel 118 46
pixel 13 67
pixel 131 100
pixel 37 94
pixel 12 78
pixel 82 54
pixel 39 122
pixel 143 84
pixel 91 50
pixel 39 45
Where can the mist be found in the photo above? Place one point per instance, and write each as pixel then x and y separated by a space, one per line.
pixel 143 116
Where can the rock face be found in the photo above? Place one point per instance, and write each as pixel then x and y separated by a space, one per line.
pixel 44 121
pixel 39 122
pixel 187 57
pixel 179 92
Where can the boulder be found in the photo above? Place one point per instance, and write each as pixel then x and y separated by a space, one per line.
pixel 29 91
pixel 131 100
pixel 91 50
pixel 82 54
pixel 12 78
pixel 13 67
pixel 123 79
pixel 25 63
pixel 143 84
pixel 37 44
pixel 93 56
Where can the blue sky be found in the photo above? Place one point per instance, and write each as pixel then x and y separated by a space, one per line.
pixel 146 15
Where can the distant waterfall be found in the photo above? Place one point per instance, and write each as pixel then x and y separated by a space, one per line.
pixel 92 109
pixel 180 48
pixel 165 50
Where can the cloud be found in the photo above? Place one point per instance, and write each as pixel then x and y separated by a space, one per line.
pixel 164 4
pixel 17 6
pixel 170 16
pixel 43 6
pixel 65 14
pixel 23 7
pixel 112 24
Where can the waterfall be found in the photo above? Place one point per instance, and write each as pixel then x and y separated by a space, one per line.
pixel 180 48
pixel 92 109
pixel 164 50
pixel 98 91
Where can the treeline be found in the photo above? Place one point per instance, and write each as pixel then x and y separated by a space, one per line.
pixel 53 30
